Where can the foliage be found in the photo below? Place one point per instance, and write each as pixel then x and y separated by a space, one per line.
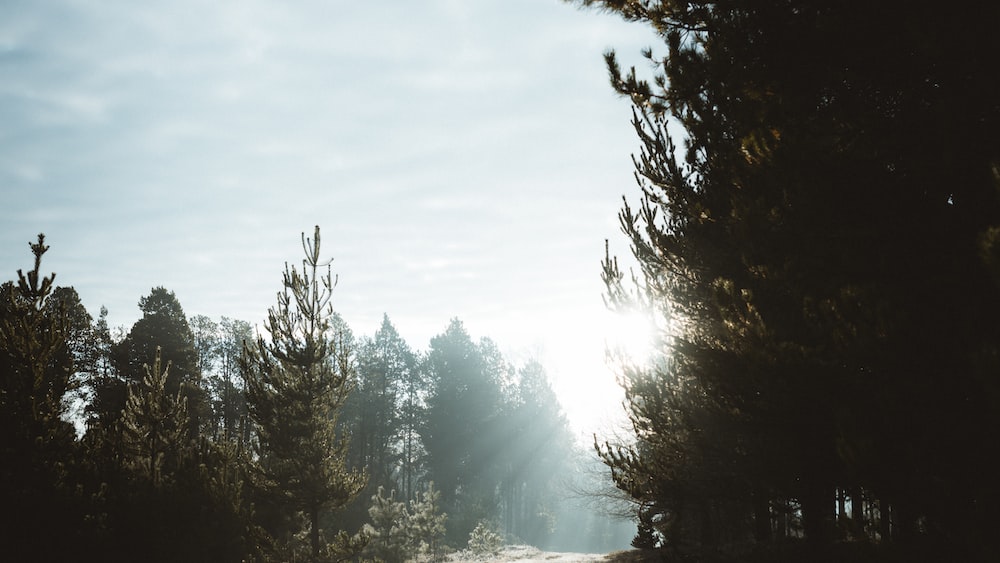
pixel 536 451
pixel 461 430
pixel 296 384
pixel 219 346
pixel 37 445
pixel 266 465
pixel 183 496
pixel 483 540
pixel 388 528
pixel 379 414
pixel 427 525
pixel 814 254
pixel 154 424
pixel 163 325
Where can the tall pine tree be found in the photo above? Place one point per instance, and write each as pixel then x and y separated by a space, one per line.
pixel 296 383
pixel 814 253
pixel 36 442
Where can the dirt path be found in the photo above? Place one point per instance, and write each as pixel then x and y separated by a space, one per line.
pixel 526 554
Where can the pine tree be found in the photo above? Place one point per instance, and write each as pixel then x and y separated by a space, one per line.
pixel 37 444
pixel 535 454
pixel 155 424
pixel 388 528
pixel 230 400
pixel 813 252
pixel 461 430
pixel 296 384
pixel 174 497
pixel 375 416
pixel 427 521
pixel 484 540
pixel 164 325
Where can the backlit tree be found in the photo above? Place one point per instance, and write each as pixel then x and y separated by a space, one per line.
pixel 296 383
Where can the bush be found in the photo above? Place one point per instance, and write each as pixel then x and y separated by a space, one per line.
pixel 483 540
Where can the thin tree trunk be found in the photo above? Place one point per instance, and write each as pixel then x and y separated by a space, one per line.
pixel 761 518
pixel 314 531
pixel 841 512
pixel 816 508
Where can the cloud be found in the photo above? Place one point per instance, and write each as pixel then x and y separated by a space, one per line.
pixel 464 158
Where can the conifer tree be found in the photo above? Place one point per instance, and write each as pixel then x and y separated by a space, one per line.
pixel 388 528
pixel 154 424
pixel 36 443
pixel 229 399
pixel 175 497
pixel 427 524
pixel 461 429
pixel 164 325
pixel 296 383
pixel 535 455
pixel 484 540
pixel 813 253
pixel 375 416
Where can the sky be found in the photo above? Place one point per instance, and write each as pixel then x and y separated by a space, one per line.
pixel 463 159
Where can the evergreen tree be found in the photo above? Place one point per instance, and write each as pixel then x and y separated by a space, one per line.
pixel 206 341
pixel 427 524
pixel 484 540
pixel 373 413
pixel 162 325
pixel 814 254
pixel 536 457
pixel 461 431
pixel 296 383
pixel 175 497
pixel 155 424
pixel 107 389
pixel 37 487
pixel 388 528
pixel 412 451
pixel 218 346
pixel 79 331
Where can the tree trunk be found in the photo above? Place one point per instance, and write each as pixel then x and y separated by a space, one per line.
pixel 884 520
pixel 841 512
pixel 314 531
pixel 761 518
pixel 817 507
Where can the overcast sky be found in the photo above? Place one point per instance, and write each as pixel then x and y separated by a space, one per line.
pixel 464 158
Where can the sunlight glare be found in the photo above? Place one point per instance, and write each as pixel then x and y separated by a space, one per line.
pixel 585 352
pixel 630 337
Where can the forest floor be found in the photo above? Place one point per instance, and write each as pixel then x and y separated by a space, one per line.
pixel 528 554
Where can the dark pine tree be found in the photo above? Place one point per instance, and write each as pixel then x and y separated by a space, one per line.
pixel 815 253
pixel 37 482
pixel 164 326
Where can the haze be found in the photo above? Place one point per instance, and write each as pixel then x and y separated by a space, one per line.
pixel 464 160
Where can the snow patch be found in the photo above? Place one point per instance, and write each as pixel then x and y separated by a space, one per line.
pixel 525 554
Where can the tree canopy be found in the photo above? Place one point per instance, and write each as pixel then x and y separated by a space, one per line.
pixel 818 192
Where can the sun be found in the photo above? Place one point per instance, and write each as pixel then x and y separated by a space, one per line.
pixel 584 352
pixel 630 337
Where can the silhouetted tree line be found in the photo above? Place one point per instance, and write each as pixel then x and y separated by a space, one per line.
pixel 196 440
pixel 817 239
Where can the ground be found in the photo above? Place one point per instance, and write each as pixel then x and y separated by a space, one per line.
pixel 528 554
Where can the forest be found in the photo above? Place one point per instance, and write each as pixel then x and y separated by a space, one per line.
pixel 815 228
pixel 191 439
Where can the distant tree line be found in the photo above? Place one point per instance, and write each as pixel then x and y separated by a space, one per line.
pixel 817 238
pixel 190 439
